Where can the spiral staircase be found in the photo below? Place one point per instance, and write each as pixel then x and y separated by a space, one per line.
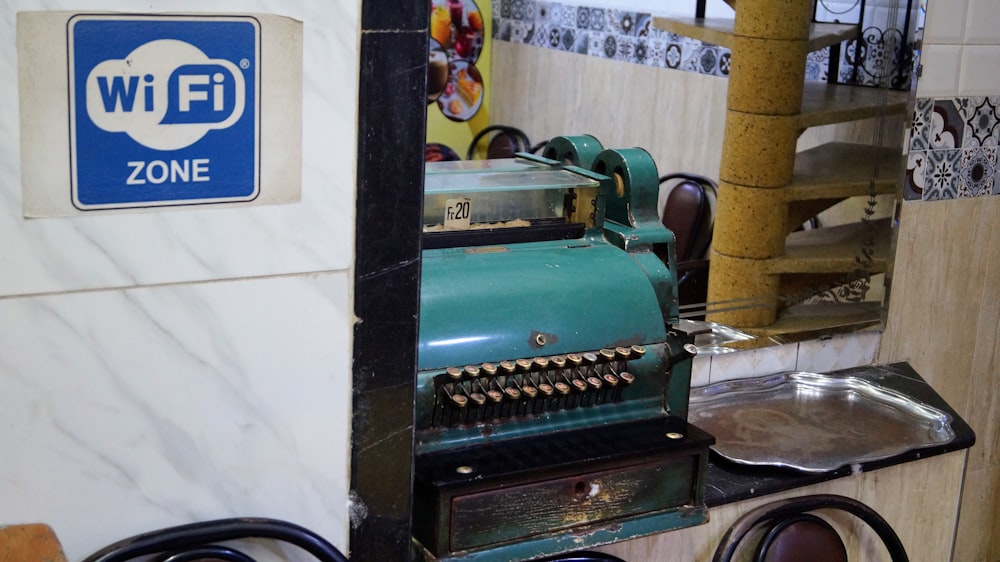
pixel 763 266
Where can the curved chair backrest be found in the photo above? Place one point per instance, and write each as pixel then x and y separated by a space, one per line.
pixel 582 556
pixel 689 211
pixel 196 541
pixel 785 541
pixel 505 142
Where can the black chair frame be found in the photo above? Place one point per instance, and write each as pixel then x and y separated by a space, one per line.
pixel 795 506
pixel 195 541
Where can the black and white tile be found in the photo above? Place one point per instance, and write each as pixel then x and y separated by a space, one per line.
pixel 953 144
pixel 629 36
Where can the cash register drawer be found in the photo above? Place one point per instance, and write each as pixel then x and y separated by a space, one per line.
pixel 552 505
pixel 476 498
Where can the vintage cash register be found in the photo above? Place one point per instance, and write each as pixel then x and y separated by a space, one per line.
pixel 552 389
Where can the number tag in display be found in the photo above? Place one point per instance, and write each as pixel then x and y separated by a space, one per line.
pixel 457 213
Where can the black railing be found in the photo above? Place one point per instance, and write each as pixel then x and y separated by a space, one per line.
pixel 871 41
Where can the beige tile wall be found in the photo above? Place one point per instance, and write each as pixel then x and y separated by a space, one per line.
pixel 922 516
pixel 944 318
pixel 944 313
pixel 672 114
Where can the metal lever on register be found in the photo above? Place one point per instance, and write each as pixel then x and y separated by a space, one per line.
pixel 688 351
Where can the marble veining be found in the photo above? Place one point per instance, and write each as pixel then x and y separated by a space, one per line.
pixel 131 410
pixel 196 243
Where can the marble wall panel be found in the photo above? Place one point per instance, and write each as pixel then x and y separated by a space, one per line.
pixel 124 411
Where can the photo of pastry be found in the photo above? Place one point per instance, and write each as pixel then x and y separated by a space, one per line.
pixel 463 94
pixel 457 25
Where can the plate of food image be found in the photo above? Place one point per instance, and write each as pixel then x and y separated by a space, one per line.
pixel 463 95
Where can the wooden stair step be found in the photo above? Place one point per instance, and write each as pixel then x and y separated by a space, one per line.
pixel 839 170
pixel 805 321
pixel 720 31
pixel 827 104
pixel 833 249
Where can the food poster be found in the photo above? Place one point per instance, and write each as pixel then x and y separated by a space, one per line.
pixel 458 68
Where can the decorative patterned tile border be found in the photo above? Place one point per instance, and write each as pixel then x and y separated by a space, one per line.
pixel 953 149
pixel 603 32
pixel 630 37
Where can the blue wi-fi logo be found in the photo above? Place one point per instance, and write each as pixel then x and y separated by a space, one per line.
pixel 164 110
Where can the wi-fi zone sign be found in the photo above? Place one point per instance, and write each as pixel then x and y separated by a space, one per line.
pixel 164 110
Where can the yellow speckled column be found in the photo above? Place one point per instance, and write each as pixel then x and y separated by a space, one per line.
pixel 758 155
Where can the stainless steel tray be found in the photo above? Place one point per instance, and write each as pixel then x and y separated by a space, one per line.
pixel 712 338
pixel 812 422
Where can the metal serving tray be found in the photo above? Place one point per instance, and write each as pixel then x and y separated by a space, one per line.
pixel 813 422
pixel 712 338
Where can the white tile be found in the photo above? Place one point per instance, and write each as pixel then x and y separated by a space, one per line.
pixel 979 76
pixel 125 411
pixel 169 246
pixel 701 370
pixel 941 65
pixel 754 362
pixel 838 352
pixel 983 23
pixel 945 22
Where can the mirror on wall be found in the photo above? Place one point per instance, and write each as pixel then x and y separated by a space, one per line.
pixel 805 212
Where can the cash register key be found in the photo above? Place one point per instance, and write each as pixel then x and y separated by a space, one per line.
pixel 607 354
pixel 489 369
pixel 454 372
pixel 460 402
pixel 495 397
pixel 529 393
pixel 579 397
pixel 638 350
pixel 508 367
pixel 561 400
pixel 472 370
pixel 597 389
pixel 540 362
pixel 513 395
pixel 523 365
